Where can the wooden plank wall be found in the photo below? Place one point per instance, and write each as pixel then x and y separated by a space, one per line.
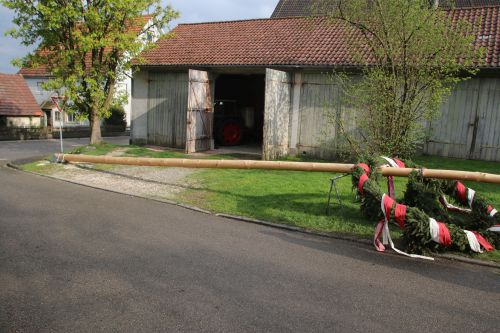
pixel 167 109
pixel 277 114
pixel 200 113
pixel 318 97
pixel 469 126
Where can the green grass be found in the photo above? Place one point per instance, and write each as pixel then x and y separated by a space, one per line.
pixel 293 198
pixel 95 150
pixel 41 167
pixel 145 152
pixel 299 198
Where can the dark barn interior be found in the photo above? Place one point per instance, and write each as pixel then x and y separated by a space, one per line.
pixel 239 109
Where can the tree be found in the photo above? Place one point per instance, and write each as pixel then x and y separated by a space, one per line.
pixel 87 45
pixel 411 55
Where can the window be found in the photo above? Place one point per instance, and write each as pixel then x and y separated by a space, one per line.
pixel 57 116
pixel 39 88
pixel 70 117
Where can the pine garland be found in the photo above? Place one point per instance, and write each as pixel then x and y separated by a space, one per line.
pixel 422 202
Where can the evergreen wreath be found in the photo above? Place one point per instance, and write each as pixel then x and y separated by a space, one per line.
pixel 463 229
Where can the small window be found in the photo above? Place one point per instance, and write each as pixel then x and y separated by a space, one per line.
pixel 57 116
pixel 39 87
pixel 70 117
pixel 149 36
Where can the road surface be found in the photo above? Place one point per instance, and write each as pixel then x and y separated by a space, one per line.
pixel 75 259
pixel 16 150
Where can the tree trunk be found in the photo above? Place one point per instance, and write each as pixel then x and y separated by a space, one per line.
pixel 95 128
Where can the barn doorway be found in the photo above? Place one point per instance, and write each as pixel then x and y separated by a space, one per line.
pixel 239 111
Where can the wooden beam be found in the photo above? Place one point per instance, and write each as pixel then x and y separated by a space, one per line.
pixel 275 165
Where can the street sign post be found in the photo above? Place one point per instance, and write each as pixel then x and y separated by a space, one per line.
pixel 55 100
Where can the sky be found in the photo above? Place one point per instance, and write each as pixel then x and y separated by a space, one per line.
pixel 191 11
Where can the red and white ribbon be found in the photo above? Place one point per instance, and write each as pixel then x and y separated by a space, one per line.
pixel 439 233
pixel 492 211
pixel 382 229
pixel 451 207
pixel 473 242
pixel 470 196
pixel 478 242
pixel 393 163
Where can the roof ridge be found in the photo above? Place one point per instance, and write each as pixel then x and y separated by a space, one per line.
pixel 473 7
pixel 247 20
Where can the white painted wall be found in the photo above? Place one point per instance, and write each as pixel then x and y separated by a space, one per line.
pixel 24 122
pixel 139 101
pixel 34 83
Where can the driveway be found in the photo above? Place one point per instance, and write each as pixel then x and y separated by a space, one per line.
pixel 75 259
pixel 15 150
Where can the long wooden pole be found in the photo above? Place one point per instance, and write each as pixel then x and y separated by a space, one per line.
pixel 275 165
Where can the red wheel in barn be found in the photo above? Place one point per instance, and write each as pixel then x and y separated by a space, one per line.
pixel 231 133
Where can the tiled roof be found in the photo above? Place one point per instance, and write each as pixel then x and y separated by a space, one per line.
pixel 16 98
pixel 43 70
pixel 297 41
pixel 291 8
pixel 294 8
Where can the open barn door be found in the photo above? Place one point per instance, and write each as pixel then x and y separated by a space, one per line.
pixel 200 113
pixel 276 114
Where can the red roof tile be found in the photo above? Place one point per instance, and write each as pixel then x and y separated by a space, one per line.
pixel 297 41
pixel 293 8
pixel 16 98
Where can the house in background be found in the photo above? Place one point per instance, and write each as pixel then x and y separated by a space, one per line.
pixel 35 77
pixel 275 69
pixel 18 107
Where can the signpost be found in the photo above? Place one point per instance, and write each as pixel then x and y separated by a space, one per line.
pixel 55 100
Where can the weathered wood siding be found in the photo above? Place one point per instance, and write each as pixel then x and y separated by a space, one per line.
pixel 469 126
pixel 296 121
pixel 200 112
pixel 277 114
pixel 167 109
pixel 318 98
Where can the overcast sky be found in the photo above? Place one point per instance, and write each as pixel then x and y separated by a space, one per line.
pixel 191 11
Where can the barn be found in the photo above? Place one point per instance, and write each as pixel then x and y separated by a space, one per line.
pixel 265 82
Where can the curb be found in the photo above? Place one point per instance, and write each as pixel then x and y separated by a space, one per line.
pixel 296 229
pixel 330 235
pixel 164 201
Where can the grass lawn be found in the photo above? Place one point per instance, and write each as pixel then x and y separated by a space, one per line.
pixel 95 150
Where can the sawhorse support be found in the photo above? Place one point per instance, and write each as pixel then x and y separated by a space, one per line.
pixel 333 185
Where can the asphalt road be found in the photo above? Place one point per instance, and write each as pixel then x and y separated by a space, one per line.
pixel 17 150
pixel 75 259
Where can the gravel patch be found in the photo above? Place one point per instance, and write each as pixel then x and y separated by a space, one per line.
pixel 151 182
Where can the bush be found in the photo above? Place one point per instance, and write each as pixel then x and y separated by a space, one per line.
pixel 116 118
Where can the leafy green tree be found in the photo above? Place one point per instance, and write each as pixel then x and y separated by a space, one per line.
pixel 411 54
pixel 87 45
